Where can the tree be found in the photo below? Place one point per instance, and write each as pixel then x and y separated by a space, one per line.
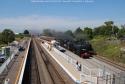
pixel 8 36
pixel 69 33
pixel 0 37
pixel 99 30
pixel 108 29
pixel 88 32
pixel 47 32
pixel 115 30
pixel 109 23
pixel 78 31
pixel 26 32
pixel 121 32
pixel 79 35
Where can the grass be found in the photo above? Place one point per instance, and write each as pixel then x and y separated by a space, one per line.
pixel 108 48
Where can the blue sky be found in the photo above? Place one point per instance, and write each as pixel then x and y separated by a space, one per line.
pixel 26 14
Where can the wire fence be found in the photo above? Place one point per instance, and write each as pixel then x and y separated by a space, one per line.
pixel 95 75
pixel 107 79
pixel 111 79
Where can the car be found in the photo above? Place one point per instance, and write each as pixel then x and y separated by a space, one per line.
pixel 21 48
pixel 57 46
pixel 2 59
pixel 61 49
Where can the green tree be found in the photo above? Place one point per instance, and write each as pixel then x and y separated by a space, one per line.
pixel 79 35
pixel 78 31
pixel 109 23
pixel 115 30
pixel 8 36
pixel 108 29
pixel 26 32
pixel 88 32
pixel 121 32
pixel 111 29
pixel 69 33
pixel 99 30
pixel 47 32
pixel 0 38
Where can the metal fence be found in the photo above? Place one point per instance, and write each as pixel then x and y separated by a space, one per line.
pixel 107 79
pixel 4 65
pixel 95 75
pixel 111 79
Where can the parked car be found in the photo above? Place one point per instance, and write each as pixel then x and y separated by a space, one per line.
pixel 2 59
pixel 57 46
pixel 61 49
pixel 21 48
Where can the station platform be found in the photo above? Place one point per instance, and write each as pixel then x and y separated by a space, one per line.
pixel 15 69
pixel 92 70
pixel 70 69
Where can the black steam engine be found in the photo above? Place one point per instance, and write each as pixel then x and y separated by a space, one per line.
pixel 82 48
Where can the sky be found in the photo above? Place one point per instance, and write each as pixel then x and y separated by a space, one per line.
pixel 36 15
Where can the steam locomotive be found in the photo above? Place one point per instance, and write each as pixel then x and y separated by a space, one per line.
pixel 82 48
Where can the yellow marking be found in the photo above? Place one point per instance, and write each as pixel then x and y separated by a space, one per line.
pixel 17 78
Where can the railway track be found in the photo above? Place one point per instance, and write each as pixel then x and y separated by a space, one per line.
pixel 31 74
pixel 54 74
pixel 39 69
pixel 34 69
pixel 45 77
pixel 119 66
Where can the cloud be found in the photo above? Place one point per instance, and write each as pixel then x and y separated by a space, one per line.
pixel 38 23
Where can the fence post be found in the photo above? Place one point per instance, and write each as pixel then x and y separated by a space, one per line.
pixel 110 79
pixel 124 79
pixel 104 71
pixel 113 79
pixel 106 79
pixel 97 80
